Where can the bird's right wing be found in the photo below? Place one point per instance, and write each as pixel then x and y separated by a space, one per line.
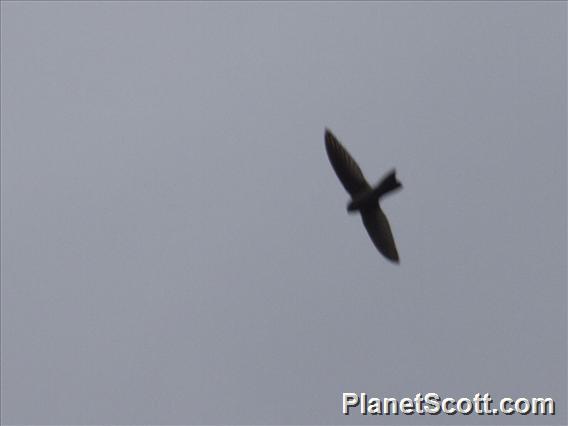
pixel 345 166
pixel 380 232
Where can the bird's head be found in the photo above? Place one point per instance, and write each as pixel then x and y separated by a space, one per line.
pixel 352 207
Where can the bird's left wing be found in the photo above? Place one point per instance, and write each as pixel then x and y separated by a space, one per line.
pixel 345 166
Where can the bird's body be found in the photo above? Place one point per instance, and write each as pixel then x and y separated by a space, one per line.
pixel 364 198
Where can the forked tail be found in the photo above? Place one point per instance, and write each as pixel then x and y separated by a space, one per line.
pixel 387 184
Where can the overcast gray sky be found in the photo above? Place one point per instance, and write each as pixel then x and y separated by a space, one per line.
pixel 176 246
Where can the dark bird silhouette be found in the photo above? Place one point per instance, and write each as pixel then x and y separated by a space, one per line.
pixel 364 198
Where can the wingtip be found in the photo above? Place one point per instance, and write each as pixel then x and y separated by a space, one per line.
pixel 393 257
pixel 391 254
pixel 328 138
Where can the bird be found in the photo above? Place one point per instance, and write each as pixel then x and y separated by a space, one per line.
pixel 364 198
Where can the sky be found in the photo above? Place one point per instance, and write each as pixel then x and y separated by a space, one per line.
pixel 175 246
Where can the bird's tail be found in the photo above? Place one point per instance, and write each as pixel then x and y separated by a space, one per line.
pixel 387 184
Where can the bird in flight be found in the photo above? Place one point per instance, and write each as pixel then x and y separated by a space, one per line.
pixel 364 198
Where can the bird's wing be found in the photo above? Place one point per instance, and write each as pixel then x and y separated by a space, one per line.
pixel 380 232
pixel 345 166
